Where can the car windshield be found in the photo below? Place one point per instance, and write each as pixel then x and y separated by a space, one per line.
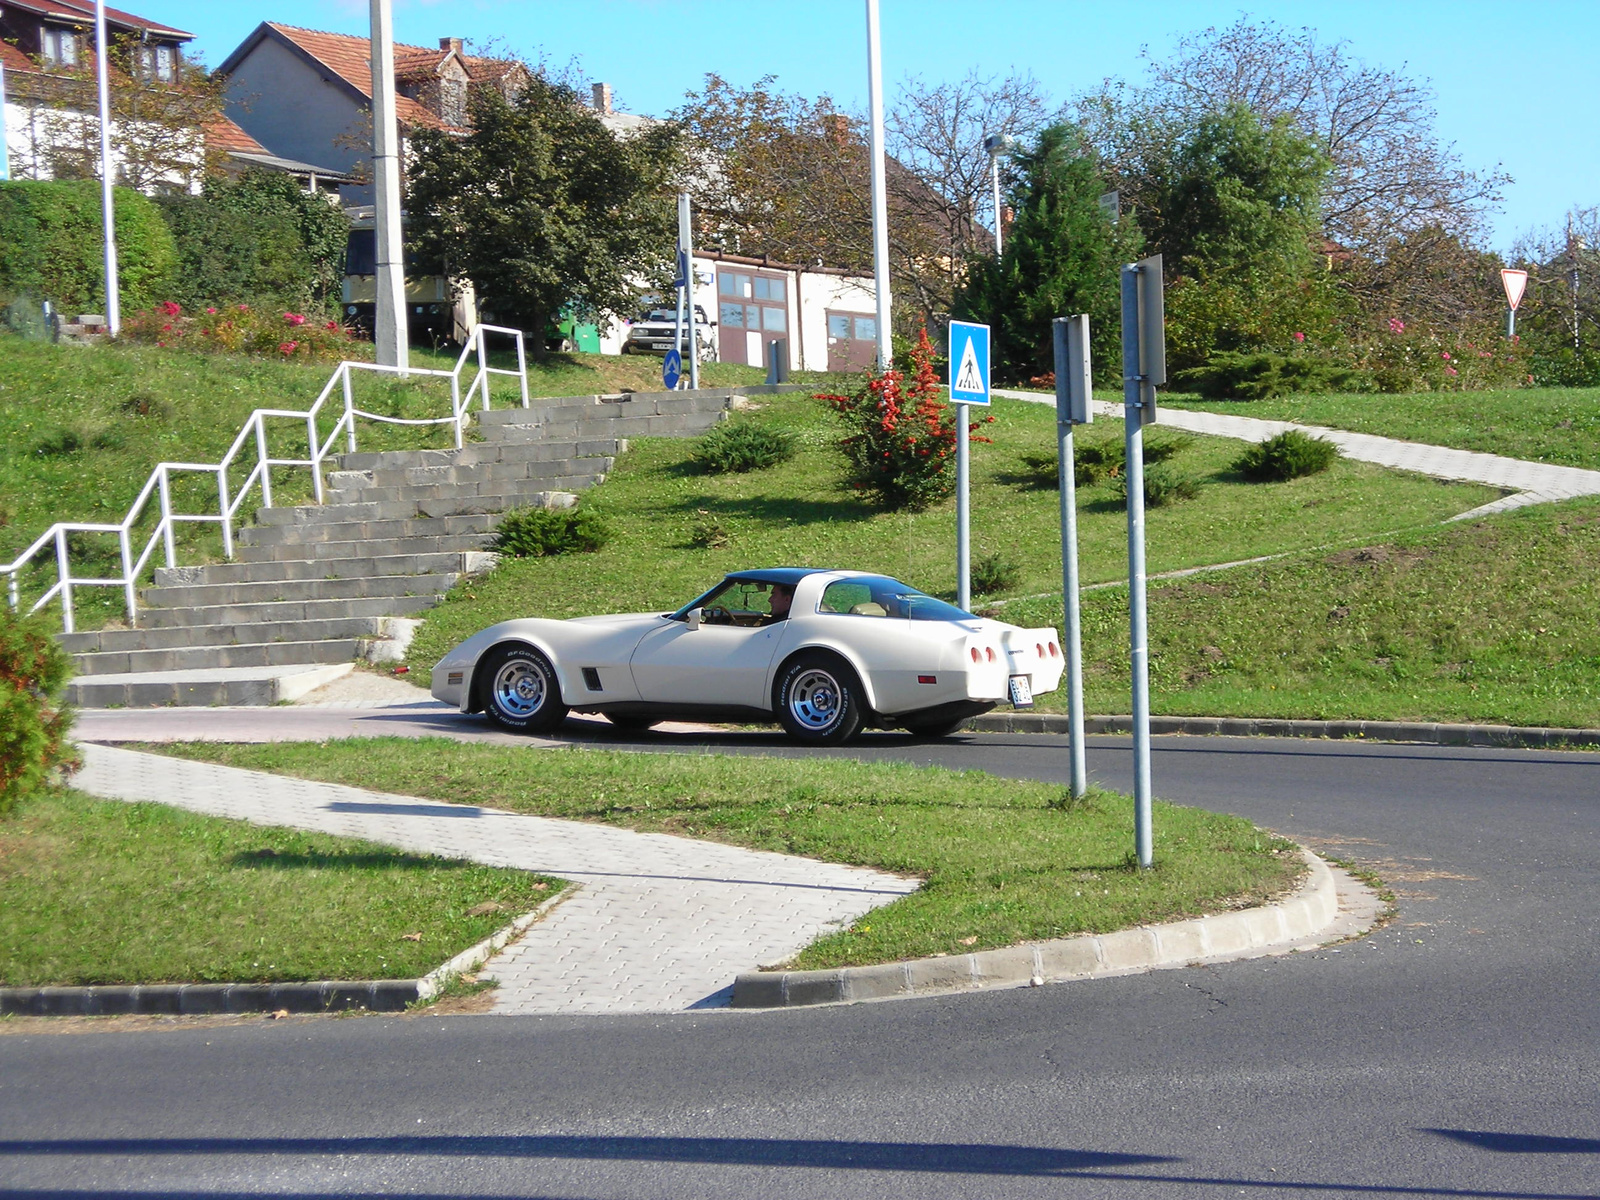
pixel 740 602
pixel 660 314
pixel 880 596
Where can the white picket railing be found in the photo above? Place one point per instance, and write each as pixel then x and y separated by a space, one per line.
pixel 229 501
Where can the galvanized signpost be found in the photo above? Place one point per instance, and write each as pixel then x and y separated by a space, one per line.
pixel 1073 407
pixel 1514 282
pixel 1144 368
pixel 969 384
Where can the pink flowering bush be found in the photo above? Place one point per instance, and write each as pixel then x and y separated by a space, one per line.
pixel 240 329
pixel 1411 356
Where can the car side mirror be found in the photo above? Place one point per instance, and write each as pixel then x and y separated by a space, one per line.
pixel 693 617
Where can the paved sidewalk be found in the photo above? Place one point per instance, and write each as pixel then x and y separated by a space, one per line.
pixel 1528 482
pixel 658 923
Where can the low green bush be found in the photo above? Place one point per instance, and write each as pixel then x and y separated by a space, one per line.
pixel 542 532
pixel 1288 456
pixel 1099 461
pixel 51 247
pixel 33 723
pixel 740 446
pixel 1163 485
pixel 995 573
pixel 1235 375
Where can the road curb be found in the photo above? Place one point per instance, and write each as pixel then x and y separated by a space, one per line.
pixel 1428 733
pixel 194 999
pixel 1247 933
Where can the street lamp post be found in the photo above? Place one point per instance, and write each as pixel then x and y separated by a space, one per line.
pixel 997 144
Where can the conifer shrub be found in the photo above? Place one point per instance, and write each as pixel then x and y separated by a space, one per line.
pixel 33 721
pixel 736 447
pixel 543 532
pixel 1288 456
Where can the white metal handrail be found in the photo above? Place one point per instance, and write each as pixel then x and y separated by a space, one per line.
pixel 229 501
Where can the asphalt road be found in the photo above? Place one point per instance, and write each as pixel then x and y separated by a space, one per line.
pixel 1455 1052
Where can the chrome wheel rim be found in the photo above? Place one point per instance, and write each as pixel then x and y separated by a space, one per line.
pixel 815 699
pixel 519 689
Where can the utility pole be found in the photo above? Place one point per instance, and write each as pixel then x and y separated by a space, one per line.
pixel 389 319
pixel 880 203
pixel 107 200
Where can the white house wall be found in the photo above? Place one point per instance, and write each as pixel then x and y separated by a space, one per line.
pixel 33 127
pixel 819 293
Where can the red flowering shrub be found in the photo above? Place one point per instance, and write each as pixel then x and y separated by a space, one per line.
pixel 902 440
pixel 240 329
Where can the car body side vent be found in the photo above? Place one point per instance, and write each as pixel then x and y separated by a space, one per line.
pixel 591 679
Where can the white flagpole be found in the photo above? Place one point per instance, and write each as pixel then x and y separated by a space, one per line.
pixel 108 212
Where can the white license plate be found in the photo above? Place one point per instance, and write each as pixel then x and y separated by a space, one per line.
pixel 1021 692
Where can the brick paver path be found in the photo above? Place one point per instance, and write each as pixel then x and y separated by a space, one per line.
pixel 658 923
pixel 1528 482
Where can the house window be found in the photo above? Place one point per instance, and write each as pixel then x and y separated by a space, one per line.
pixel 59 46
pixel 159 62
pixel 453 102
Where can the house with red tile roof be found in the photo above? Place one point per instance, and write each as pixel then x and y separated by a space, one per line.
pixel 307 95
pixel 51 110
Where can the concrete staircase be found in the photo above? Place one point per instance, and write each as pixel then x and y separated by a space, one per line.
pixel 315 587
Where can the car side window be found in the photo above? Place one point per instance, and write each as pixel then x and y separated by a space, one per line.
pixel 852 597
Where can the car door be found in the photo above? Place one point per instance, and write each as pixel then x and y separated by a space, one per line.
pixel 713 664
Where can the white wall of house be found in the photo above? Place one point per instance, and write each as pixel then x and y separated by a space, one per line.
pixel 821 293
pixel 33 128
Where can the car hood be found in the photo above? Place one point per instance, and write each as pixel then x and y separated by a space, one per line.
pixel 620 621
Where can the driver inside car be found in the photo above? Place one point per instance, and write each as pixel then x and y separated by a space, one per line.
pixel 782 597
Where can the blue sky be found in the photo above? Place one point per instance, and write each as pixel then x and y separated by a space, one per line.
pixel 1515 83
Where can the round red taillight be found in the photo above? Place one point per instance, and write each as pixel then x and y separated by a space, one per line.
pixel 1039 649
pixel 976 657
pixel 989 650
pixel 1054 653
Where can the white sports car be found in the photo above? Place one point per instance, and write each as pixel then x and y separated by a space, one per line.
pixel 826 652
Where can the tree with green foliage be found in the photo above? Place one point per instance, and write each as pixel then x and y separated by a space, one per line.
pixel 1060 258
pixel 51 247
pixel 259 237
pixel 1238 220
pixel 33 720
pixel 543 208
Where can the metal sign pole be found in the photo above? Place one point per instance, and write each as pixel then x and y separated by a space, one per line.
pixel 880 192
pixel 1138 636
pixel 686 248
pixel 108 215
pixel 1072 407
pixel 963 513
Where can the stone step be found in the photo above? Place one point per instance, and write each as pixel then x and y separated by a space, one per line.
pixel 367 531
pixel 447 503
pixel 212 686
pixel 329 552
pixel 107 641
pixel 195 658
pixel 207 595
pixel 284 610
pixel 498 480
pixel 627 406
pixel 674 425
pixel 358 566
pixel 406 465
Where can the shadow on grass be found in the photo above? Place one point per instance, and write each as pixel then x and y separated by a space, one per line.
pixel 784 510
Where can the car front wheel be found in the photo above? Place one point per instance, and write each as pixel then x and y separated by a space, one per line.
pixel 819 700
pixel 520 692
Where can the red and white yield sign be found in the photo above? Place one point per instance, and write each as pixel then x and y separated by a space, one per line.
pixel 1515 282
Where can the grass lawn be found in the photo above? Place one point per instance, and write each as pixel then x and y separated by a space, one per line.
pixel 1554 425
pixel 1002 860
pixel 1486 621
pixel 81 428
pixel 98 892
pixel 799 514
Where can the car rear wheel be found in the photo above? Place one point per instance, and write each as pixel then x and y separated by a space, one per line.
pixel 819 700
pixel 520 690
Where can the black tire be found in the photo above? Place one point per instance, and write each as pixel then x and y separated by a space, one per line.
pixel 520 692
pixel 625 724
pixel 819 700
pixel 933 730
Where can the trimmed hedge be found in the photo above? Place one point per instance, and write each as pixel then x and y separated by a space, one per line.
pixel 741 446
pixel 33 723
pixel 50 246
pixel 541 532
pixel 1262 376
pixel 1288 456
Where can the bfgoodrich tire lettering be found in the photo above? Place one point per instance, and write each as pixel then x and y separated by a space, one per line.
pixel 520 692
pixel 818 700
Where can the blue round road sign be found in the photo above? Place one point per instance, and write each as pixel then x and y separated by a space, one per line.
pixel 672 370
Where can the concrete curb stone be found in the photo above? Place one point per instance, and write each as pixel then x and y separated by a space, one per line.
pixel 1428 733
pixel 1250 932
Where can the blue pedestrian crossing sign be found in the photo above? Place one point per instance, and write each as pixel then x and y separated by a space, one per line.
pixel 969 363
pixel 672 370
